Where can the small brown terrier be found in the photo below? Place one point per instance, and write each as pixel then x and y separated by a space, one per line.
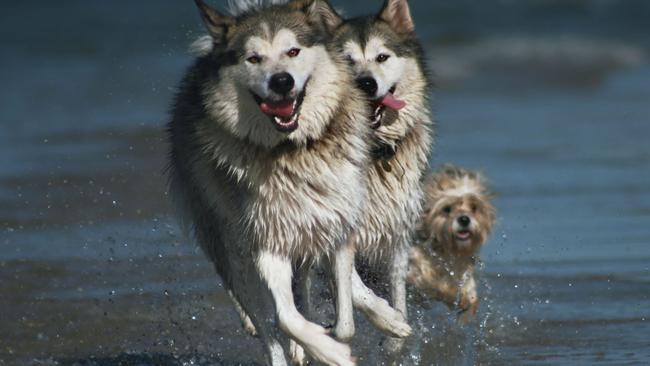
pixel 456 222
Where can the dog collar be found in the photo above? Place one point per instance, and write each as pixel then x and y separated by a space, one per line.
pixel 384 153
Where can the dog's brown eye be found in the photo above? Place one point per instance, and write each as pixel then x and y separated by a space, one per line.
pixel 383 58
pixel 447 209
pixel 254 60
pixel 474 208
pixel 294 52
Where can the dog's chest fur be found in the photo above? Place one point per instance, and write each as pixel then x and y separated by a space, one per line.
pixel 395 192
pixel 298 201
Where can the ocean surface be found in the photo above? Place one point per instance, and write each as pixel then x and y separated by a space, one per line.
pixel 550 99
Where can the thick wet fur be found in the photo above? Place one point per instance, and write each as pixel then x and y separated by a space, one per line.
pixel 388 65
pixel 457 220
pixel 268 163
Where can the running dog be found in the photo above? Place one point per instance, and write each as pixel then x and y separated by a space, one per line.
pixel 456 222
pixel 388 64
pixel 268 162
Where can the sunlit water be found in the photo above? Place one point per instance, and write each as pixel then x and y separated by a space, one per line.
pixel 94 271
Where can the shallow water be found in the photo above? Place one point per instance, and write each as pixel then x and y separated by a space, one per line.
pixel 550 101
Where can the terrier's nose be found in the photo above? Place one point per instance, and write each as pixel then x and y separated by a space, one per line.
pixel 464 221
pixel 368 85
pixel 282 83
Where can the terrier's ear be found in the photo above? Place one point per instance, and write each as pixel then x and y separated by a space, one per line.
pixel 319 12
pixel 218 24
pixel 398 15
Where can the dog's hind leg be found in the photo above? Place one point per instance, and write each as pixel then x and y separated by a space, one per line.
pixel 276 272
pixel 302 293
pixel 246 321
pixel 257 305
pixel 377 310
pixel 260 306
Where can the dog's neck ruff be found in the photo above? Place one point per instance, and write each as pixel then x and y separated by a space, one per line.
pixel 435 248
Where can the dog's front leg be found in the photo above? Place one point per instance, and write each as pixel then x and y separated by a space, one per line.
pixel 343 264
pixel 398 273
pixel 468 301
pixel 276 271
pixel 397 278
pixel 388 320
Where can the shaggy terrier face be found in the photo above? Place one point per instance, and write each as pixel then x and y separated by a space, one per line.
pixel 458 212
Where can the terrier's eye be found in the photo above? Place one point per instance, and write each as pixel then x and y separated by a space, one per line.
pixel 350 60
pixel 254 60
pixel 474 208
pixel 294 52
pixel 447 210
pixel 382 58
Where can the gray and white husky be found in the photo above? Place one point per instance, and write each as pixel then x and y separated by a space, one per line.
pixel 388 65
pixel 268 162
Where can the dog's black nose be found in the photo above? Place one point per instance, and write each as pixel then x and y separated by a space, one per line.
pixel 368 85
pixel 282 83
pixel 464 221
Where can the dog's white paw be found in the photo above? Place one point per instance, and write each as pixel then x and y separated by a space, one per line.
pixel 388 320
pixel 328 351
pixel 248 325
pixel 297 354
pixel 250 329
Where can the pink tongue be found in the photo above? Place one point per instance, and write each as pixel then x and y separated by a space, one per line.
pixel 389 101
pixel 282 109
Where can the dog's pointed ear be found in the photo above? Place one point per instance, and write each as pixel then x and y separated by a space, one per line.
pixel 320 12
pixel 218 24
pixel 398 15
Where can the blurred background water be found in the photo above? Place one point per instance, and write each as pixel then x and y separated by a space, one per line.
pixel 549 98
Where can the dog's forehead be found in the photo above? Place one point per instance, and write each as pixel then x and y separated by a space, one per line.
pixel 267 26
pixel 375 46
pixel 269 41
pixel 367 30
pixel 368 50
pixel 353 49
pixel 465 188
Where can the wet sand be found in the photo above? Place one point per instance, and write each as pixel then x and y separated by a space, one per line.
pixel 94 270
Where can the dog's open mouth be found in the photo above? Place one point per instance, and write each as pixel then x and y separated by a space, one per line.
pixel 464 235
pixel 380 105
pixel 284 114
